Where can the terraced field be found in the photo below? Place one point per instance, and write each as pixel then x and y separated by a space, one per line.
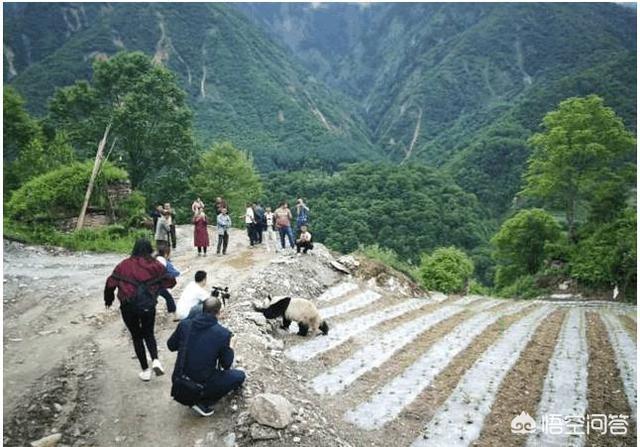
pixel 456 371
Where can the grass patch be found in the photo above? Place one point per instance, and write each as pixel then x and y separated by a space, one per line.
pixel 389 258
pixel 113 238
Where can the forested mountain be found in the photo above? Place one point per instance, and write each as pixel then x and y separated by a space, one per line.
pixel 241 86
pixel 462 86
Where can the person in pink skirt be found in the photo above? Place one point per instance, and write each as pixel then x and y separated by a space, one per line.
pixel 200 232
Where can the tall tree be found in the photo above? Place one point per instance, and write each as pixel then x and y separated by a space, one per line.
pixel 520 244
pixel 151 129
pixel 227 171
pixel 581 159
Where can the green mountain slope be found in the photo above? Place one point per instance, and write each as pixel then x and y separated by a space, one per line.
pixel 242 86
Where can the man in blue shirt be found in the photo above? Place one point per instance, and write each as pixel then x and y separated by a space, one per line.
pixel 205 356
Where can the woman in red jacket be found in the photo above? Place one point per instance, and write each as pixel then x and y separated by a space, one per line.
pixel 139 315
pixel 200 232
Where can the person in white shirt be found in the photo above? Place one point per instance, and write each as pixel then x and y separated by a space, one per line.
pixel 190 302
pixel 250 221
pixel 268 216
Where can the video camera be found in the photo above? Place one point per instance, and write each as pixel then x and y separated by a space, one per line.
pixel 222 292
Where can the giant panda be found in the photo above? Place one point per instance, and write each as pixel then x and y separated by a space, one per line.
pixel 301 311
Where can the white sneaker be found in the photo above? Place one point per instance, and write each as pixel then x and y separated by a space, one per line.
pixel 202 410
pixel 145 375
pixel 157 367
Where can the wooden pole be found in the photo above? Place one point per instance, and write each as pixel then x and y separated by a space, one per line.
pixel 94 172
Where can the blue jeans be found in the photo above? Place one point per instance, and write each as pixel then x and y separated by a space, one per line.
pixel 220 384
pixel 289 232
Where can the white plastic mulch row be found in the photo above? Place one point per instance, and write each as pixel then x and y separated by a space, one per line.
pixel 626 356
pixel 343 331
pixel 337 291
pixel 375 354
pixel 389 401
pixel 459 421
pixel 565 386
pixel 359 301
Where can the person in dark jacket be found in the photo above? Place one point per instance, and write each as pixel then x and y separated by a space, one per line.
pixel 140 267
pixel 209 356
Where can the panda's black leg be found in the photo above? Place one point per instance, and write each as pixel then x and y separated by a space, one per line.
pixel 285 323
pixel 303 329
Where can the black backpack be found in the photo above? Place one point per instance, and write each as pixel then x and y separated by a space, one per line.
pixel 143 301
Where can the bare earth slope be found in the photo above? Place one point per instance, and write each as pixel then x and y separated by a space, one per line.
pixel 396 368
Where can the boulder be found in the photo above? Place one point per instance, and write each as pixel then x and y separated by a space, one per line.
pixel 272 410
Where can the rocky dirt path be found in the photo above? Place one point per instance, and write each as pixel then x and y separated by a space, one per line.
pixel 57 331
pixel 397 368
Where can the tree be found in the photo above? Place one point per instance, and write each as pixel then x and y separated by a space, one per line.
pixel 151 131
pixel 227 171
pixel 36 159
pixel 446 270
pixel 580 159
pixel 18 127
pixel 520 244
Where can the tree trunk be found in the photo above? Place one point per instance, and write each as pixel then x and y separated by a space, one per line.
pixel 94 172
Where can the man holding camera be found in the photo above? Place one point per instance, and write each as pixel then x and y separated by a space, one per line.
pixel 203 374
pixel 191 299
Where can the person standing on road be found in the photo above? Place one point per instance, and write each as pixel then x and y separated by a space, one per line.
pixel 302 214
pixel 268 227
pixel 205 356
pixel 172 224
pixel 139 268
pixel 250 222
pixel 259 225
pixel 221 203
pixel 163 230
pixel 200 232
pixel 283 224
pixel 197 204
pixel 224 224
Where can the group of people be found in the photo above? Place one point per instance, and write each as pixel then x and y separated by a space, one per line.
pixel 202 373
pixel 260 220
pixel 201 222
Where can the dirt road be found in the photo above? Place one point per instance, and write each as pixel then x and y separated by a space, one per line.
pixel 67 360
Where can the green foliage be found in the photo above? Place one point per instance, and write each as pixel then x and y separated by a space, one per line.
pixel 584 157
pixel 446 270
pixel 520 244
pixel 113 238
pixel 130 212
pixel 60 193
pixel 229 172
pixel 36 159
pixel 151 123
pixel 608 256
pixel 389 258
pixel 522 287
pixel 18 128
pixel 408 209
pixel 476 288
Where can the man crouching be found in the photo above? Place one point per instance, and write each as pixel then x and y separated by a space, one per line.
pixel 202 373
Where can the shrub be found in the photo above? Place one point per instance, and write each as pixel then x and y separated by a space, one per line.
pixel 523 287
pixel 60 193
pixel 446 270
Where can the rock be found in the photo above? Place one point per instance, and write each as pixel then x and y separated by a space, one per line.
pixel 272 410
pixel 57 407
pixel 296 439
pixel 229 440
pixel 339 267
pixel 47 441
pixel 349 262
pixel 261 432
pixel 257 318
